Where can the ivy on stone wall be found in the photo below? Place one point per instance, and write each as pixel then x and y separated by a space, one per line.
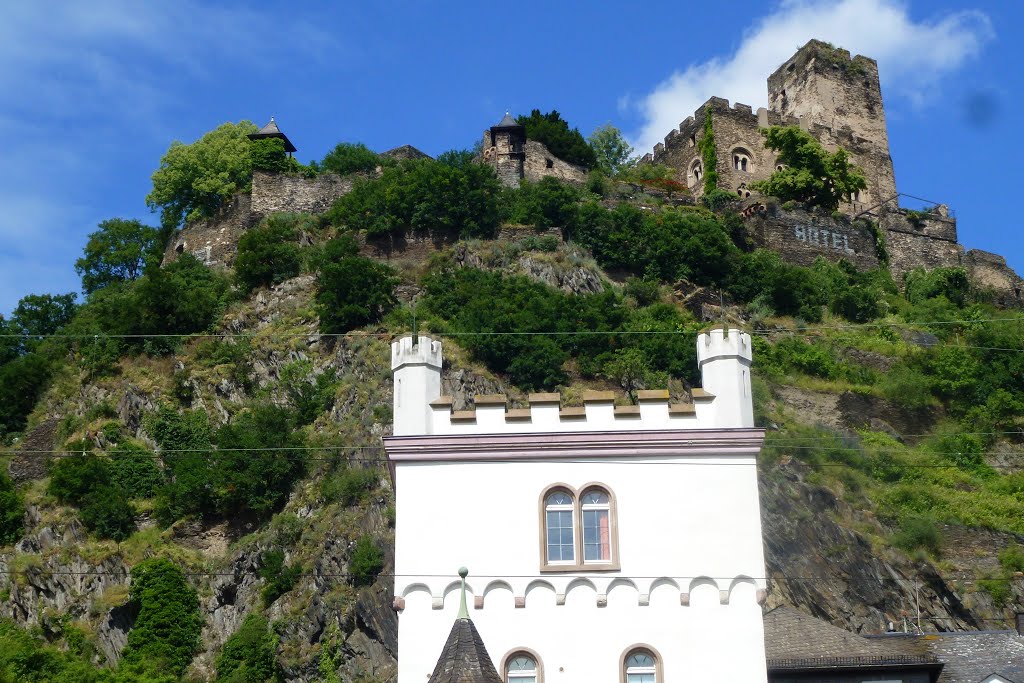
pixel 709 154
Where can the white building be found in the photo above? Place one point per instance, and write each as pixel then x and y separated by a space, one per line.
pixel 604 543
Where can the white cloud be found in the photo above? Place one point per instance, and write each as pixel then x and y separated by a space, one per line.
pixel 912 56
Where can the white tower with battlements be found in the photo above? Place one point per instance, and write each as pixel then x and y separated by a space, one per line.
pixel 605 542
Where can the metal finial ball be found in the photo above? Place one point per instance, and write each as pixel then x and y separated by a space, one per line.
pixel 463 572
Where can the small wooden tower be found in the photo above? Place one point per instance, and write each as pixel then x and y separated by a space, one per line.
pixel 505 148
pixel 272 131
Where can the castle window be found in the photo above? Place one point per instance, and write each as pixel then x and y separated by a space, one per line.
pixel 742 160
pixel 521 668
pixel 596 513
pixel 640 665
pixel 559 525
pixel 548 163
pixel 693 140
pixel 579 529
pixel 696 173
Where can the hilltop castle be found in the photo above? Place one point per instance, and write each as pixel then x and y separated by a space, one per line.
pixel 835 97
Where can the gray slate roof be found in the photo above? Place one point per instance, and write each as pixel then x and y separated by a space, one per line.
pixel 272 131
pixel 507 122
pixel 969 656
pixel 464 658
pixel 792 637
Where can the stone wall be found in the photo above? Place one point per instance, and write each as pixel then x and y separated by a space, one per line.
pixel 800 237
pixel 540 163
pixel 989 271
pixel 285 193
pixel 930 242
pixel 214 241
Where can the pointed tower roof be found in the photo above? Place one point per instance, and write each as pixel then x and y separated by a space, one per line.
pixel 507 122
pixel 272 131
pixel 464 658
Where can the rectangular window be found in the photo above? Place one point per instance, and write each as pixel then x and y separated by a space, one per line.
pixel 561 547
pixel 597 545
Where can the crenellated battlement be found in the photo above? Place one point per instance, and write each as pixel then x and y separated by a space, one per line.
pixel 725 357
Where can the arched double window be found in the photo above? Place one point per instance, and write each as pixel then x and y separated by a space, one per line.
pixel 578 528
pixel 641 665
pixel 696 173
pixel 522 667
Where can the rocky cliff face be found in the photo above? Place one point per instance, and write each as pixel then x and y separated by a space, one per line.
pixel 823 551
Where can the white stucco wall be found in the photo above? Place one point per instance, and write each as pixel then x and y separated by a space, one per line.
pixel 688 531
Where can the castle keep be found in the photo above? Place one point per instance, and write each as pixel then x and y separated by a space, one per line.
pixel 823 90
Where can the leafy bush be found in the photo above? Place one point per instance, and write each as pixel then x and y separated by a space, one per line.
pixel 310 394
pixel 810 174
pixel 366 562
pixel 12 511
pixel 250 654
pixel 951 283
pixel 350 485
pixel 74 477
pixel 256 463
pixel 425 197
pixel 553 132
pixel 918 532
pixel 267 254
pixel 134 470
pixel 543 204
pixel 268 154
pixel 166 631
pixel 106 512
pixel 353 292
pixel 348 158
pixel 280 578
pixel 28 658
pixel 22 382
pixel 183 298
pixel 666 246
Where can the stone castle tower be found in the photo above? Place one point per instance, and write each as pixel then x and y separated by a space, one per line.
pixel 505 149
pixel 835 97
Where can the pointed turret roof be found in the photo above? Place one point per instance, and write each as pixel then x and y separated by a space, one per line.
pixel 272 131
pixel 464 658
pixel 507 122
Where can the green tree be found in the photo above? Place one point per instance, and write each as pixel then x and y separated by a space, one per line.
pixel 107 513
pixel 12 511
pixel 268 254
pixel 553 132
pixel 116 252
pixel 43 314
pixel 611 150
pixel 194 180
pixel 250 654
pixel 183 298
pixel 810 173
pixel 268 154
pixel 544 204
pixel 22 382
pixel 166 631
pixel 347 157
pixel 256 461
pixel 352 292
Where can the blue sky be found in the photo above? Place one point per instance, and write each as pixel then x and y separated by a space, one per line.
pixel 95 92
